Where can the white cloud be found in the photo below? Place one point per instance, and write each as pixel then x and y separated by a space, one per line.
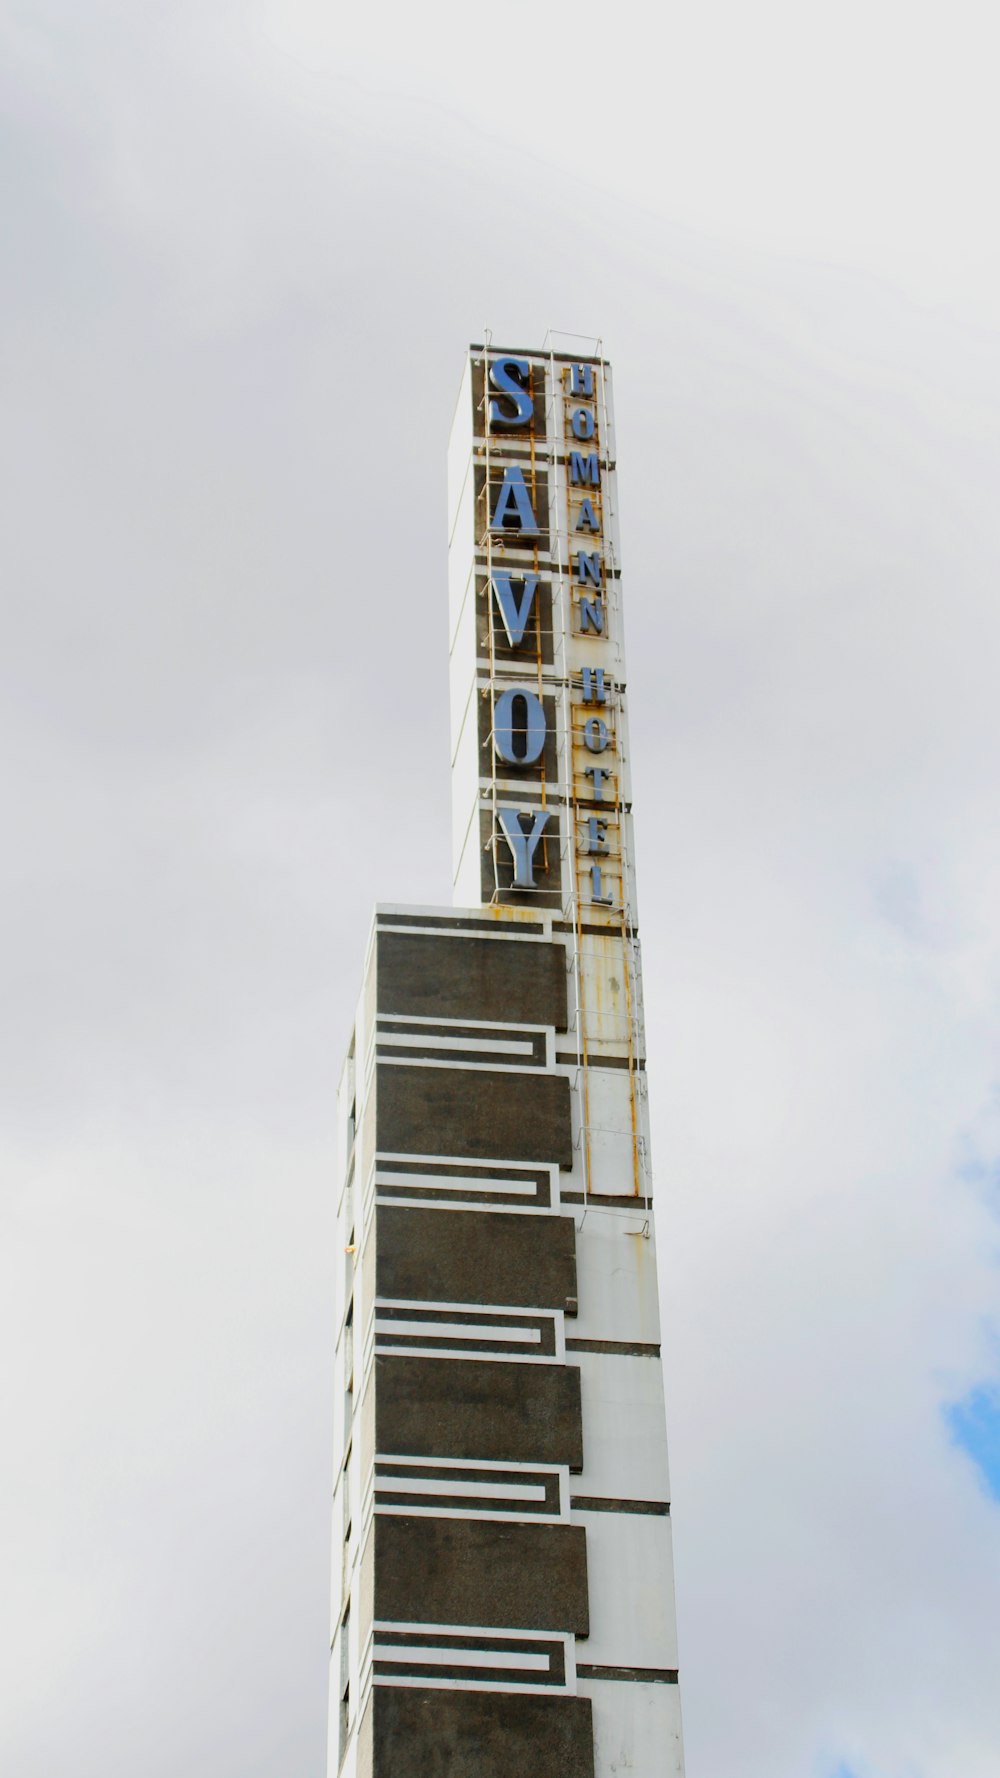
pixel 245 254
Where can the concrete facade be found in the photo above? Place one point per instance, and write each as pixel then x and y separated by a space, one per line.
pixel 502 1570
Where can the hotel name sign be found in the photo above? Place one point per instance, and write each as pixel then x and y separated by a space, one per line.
pixel 548 578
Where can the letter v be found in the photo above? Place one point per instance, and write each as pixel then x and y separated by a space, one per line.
pixel 515 613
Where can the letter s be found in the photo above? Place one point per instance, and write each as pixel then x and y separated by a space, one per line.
pixel 501 378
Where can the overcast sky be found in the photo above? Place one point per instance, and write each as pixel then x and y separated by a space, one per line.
pixel 244 247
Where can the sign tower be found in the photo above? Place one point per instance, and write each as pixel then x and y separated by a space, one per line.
pixel 502 1573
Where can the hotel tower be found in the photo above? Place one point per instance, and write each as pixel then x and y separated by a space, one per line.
pixel 503 1602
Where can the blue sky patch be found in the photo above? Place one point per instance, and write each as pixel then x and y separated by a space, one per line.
pixel 974 1425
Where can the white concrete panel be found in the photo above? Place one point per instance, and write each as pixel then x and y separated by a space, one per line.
pixel 460 584
pixel 627 844
pixel 606 406
pixel 337 1577
pixel 460 444
pixel 462 639
pixel 348 1767
pixel 461 550
pixel 637 1728
pixel 465 789
pixel 467 883
pixel 630 1574
pixel 616 1276
pixel 610 1089
pixel 624 752
pixel 608 996
pixel 593 651
pixel 334 1766
pixel 624 1429
pixel 340 1425
pixel 613 1155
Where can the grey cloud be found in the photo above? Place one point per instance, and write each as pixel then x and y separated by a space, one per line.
pixel 238 289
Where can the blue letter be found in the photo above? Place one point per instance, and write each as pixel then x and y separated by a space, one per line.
pixel 515 616
pixel 502 379
pixel 507 725
pixel 581 379
pixel 522 845
pixel 582 422
pixel 604 901
pixel 514 492
pixel 595 735
pixel 591 616
pixel 597 833
pixel 588 517
pixel 598 774
pixel 584 469
pixel 588 568
pixel 593 686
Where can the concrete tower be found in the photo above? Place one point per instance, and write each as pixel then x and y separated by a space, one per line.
pixel 502 1576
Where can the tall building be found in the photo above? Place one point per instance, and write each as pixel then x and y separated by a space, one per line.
pixel 502 1576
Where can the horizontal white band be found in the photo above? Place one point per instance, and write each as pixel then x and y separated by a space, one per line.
pixel 460 1330
pixel 409 1655
pixel 399 1484
pixel 491 1045
pixel 451 1182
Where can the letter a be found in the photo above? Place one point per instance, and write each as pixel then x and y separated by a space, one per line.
pixel 514 493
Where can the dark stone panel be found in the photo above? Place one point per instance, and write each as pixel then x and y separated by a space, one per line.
pixel 476 1256
pixel 572 1061
pixel 619 1348
pixel 481 1410
pixel 614 924
pixel 485 1572
pixel 640 1675
pixel 475 1113
pixel 425 976
pixel 590 1503
pixel 433 1733
pixel 623 1200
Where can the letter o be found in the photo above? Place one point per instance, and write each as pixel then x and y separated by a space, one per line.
pixel 582 421
pixel 507 727
pixel 595 735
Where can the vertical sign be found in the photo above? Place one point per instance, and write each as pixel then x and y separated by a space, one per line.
pixel 549 731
